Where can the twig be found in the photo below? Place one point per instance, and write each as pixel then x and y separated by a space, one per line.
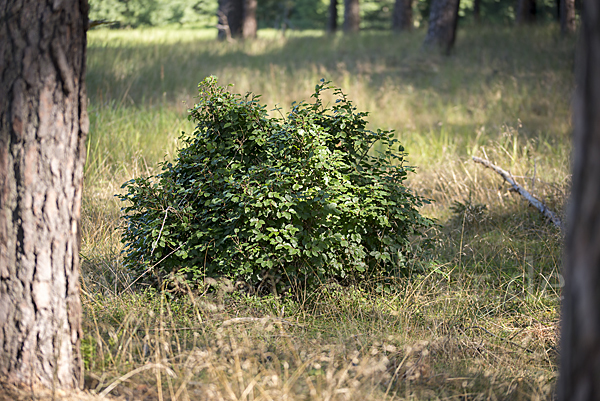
pixel 263 320
pixel 532 200
pixel 121 379
pixel 501 338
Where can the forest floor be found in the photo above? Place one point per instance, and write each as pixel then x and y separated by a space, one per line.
pixel 476 318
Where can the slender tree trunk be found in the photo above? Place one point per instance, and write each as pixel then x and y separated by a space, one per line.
pixel 223 31
pixel 351 16
pixel 249 29
pixel 580 338
pixel 333 16
pixel 526 11
pixel 43 126
pixel 402 18
pixel 443 22
pixel 477 11
pixel 567 16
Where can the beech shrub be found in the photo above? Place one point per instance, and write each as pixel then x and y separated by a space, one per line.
pixel 282 201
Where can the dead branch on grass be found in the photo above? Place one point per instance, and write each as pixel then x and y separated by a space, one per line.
pixel 532 200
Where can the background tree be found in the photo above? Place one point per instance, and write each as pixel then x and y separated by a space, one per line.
pixel 249 26
pixel 237 19
pixel 332 16
pixel 402 18
pixel 43 127
pixel 477 11
pixel 567 16
pixel 351 16
pixel 443 21
pixel 580 339
pixel 231 18
pixel 526 11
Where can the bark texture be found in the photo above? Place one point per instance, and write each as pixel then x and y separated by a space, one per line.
pixel 567 16
pixel 43 126
pixel 526 11
pixel 580 338
pixel 332 17
pixel 249 27
pixel 402 18
pixel 351 16
pixel 443 21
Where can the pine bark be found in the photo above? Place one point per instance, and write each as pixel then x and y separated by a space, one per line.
pixel 402 18
pixel 526 11
pixel 351 16
pixel 443 22
pixel 332 18
pixel 43 127
pixel 249 28
pixel 567 16
pixel 580 338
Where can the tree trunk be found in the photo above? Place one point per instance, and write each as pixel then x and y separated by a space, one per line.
pixel 567 16
pixel 443 21
pixel 580 339
pixel 230 14
pixel 477 11
pixel 351 16
pixel 402 18
pixel 249 28
pixel 333 16
pixel 43 126
pixel 526 11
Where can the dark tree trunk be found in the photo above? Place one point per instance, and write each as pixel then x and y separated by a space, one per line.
pixel 43 126
pixel 477 11
pixel 402 19
pixel 351 16
pixel 250 27
pixel 333 16
pixel 567 16
pixel 443 22
pixel 231 18
pixel 580 338
pixel 526 11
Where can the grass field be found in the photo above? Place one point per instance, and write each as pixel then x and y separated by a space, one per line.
pixel 477 317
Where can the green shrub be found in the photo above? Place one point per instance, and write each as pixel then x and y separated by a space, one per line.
pixel 297 199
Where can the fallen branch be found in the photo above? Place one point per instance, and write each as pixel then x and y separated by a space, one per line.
pixel 533 201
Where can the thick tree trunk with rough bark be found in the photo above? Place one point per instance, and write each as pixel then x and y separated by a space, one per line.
pixel 443 22
pixel 526 11
pixel 402 18
pixel 351 16
pixel 43 126
pixel 567 16
pixel 580 338
pixel 249 27
pixel 332 17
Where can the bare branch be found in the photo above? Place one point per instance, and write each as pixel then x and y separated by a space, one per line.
pixel 532 200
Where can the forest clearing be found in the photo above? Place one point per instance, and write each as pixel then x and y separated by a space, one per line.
pixel 477 315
